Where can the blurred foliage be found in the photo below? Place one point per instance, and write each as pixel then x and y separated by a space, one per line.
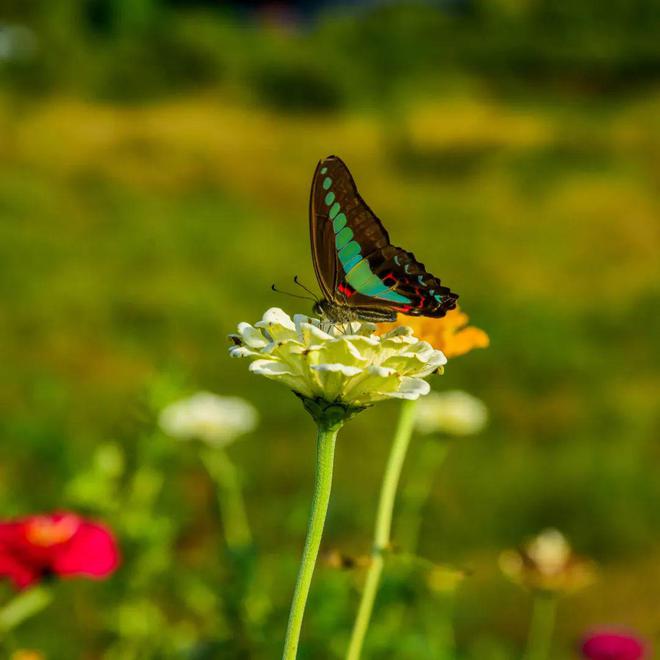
pixel 131 50
pixel 154 180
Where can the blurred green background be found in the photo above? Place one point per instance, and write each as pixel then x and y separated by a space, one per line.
pixel 155 164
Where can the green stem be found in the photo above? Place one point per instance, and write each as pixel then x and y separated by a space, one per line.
pixel 230 498
pixel 439 628
pixel 541 627
pixel 325 453
pixel 23 606
pixel 432 455
pixel 383 527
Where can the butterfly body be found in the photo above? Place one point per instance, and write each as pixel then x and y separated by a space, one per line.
pixel 363 276
pixel 342 313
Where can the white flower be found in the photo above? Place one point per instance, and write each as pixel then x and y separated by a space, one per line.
pixel 547 563
pixel 454 413
pixel 216 420
pixel 550 551
pixel 345 364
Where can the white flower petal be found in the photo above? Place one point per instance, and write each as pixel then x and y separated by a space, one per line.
pixel 434 362
pixel 284 374
pixel 241 351
pixel 411 388
pixel 371 385
pixel 381 372
pixel 422 350
pixel 270 368
pixel 312 335
pixel 277 324
pixel 341 349
pixel 251 336
pixel 338 368
pixel 276 316
pixel 284 348
pixel 330 379
pixel 303 318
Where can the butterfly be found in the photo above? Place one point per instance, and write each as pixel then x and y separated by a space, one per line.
pixel 363 276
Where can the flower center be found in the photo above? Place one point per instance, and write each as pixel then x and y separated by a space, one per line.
pixel 45 532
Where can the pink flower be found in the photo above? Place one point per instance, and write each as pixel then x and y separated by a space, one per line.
pixel 61 544
pixel 612 645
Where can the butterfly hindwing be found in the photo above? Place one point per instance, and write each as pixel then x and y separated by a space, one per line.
pixel 355 263
pixel 409 278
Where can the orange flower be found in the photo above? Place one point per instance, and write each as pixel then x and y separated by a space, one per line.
pixel 27 654
pixel 451 334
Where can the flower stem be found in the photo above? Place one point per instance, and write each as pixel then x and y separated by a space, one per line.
pixel 432 455
pixel 230 499
pixel 325 453
pixel 23 606
pixel 383 527
pixel 439 627
pixel 541 627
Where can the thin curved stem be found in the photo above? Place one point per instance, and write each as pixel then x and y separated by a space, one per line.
pixel 439 628
pixel 23 606
pixel 383 527
pixel 541 627
pixel 230 498
pixel 325 453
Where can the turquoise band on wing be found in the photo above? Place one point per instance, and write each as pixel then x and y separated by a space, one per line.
pixel 393 296
pixel 359 276
pixel 343 237
pixel 358 271
pixel 353 261
pixel 348 253
pixel 339 222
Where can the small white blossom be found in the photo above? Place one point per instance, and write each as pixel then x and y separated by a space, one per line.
pixel 345 364
pixel 550 551
pixel 216 420
pixel 454 413
pixel 547 563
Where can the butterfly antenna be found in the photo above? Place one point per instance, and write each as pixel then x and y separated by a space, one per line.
pixel 302 286
pixel 292 295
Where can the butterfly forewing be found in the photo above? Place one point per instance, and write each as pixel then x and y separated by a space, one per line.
pixel 322 239
pixel 355 263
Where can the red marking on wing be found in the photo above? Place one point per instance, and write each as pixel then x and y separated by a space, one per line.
pixel 422 298
pixel 392 278
pixel 405 308
pixel 346 290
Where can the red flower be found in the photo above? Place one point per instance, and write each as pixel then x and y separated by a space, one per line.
pixel 61 544
pixel 612 645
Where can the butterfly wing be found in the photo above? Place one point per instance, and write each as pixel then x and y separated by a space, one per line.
pixel 408 278
pixel 354 261
pixel 322 237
